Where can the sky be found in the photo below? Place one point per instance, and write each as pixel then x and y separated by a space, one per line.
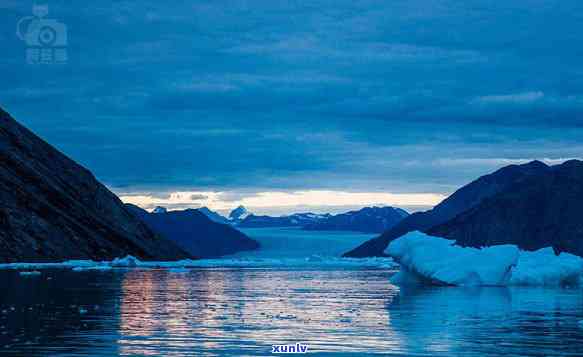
pixel 299 105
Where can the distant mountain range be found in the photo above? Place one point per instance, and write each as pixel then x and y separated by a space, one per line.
pixel 294 220
pixel 53 209
pixel 194 232
pixel 368 220
pixel 530 205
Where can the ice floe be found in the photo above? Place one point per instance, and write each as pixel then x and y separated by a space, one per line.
pixel 433 260
pixel 98 267
pixel 133 262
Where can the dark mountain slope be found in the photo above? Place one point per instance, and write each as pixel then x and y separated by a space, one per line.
pixel 196 233
pixel 213 216
pixel 463 199
pixel 542 211
pixel 53 209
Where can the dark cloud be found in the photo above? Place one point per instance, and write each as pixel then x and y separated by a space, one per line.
pixel 264 95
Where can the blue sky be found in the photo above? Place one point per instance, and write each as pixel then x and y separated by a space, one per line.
pixel 245 98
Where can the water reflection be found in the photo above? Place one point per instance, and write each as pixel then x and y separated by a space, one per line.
pixel 57 312
pixel 479 321
pixel 242 312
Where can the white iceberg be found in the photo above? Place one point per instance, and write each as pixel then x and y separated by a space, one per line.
pixel 438 261
pixel 544 268
pixel 433 260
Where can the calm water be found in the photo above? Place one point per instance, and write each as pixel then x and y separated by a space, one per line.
pixel 243 311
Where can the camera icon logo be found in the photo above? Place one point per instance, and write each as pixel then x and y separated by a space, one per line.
pixel 37 31
pixel 45 38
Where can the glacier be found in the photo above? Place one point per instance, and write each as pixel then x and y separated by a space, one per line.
pixel 432 260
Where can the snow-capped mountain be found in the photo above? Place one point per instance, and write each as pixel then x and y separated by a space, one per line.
pixel 238 214
pixel 214 216
pixel 159 209
pixel 368 219
pixel 294 220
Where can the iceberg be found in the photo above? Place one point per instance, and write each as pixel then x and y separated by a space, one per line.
pixel 436 261
pixel 128 262
pixel 544 268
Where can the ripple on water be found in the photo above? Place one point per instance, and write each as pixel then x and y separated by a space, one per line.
pixel 243 311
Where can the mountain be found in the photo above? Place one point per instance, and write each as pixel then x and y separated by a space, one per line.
pixel 53 209
pixel 213 216
pixel 196 233
pixel 294 220
pixel 541 211
pixel 159 209
pixel 238 214
pixel 368 220
pixel 462 200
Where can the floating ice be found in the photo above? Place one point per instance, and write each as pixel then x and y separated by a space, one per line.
pixel 433 260
pixel 98 267
pixel 280 247
pixel 438 261
pixel 129 261
pixel 543 267
pixel 132 262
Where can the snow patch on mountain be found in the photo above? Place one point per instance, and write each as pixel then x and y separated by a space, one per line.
pixel 239 213
pixel 160 209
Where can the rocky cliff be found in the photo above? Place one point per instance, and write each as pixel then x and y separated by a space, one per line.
pixel 542 211
pixel 53 209
pixel 460 201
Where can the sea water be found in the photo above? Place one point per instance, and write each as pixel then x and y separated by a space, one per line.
pixel 265 298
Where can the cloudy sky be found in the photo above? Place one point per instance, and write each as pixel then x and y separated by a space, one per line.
pixel 296 105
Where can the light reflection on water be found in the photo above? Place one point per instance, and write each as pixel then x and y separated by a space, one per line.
pixel 241 312
pixel 246 311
